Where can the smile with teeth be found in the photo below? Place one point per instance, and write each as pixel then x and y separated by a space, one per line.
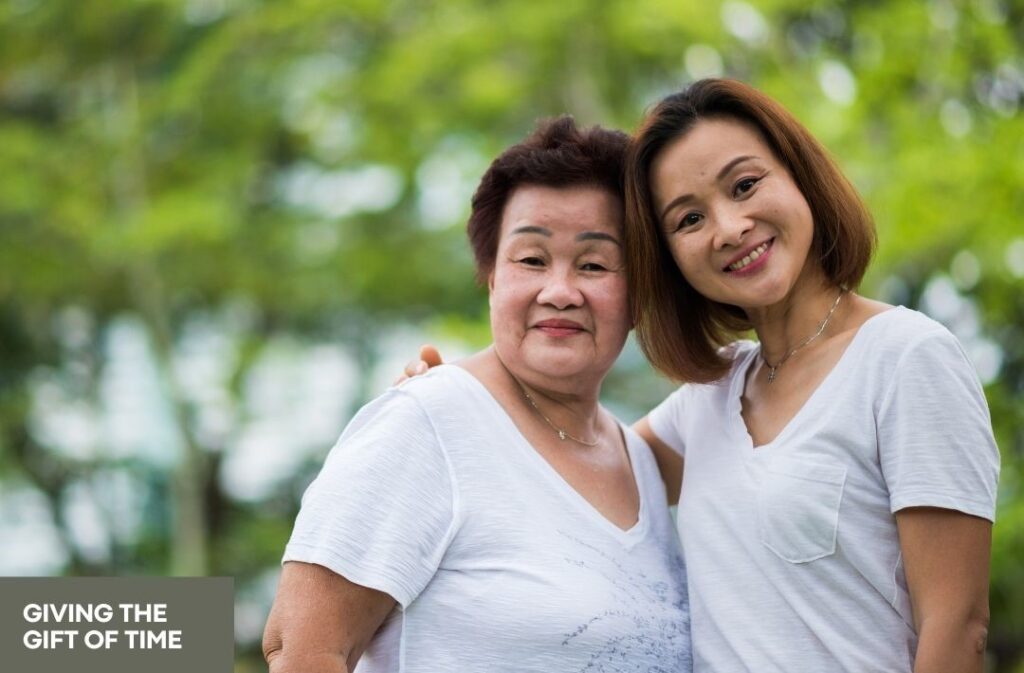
pixel 751 256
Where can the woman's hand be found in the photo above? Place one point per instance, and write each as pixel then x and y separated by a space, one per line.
pixel 429 357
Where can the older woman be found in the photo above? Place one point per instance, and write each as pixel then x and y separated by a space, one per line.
pixel 491 515
pixel 840 475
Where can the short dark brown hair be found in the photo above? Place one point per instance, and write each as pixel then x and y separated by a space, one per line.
pixel 557 154
pixel 680 330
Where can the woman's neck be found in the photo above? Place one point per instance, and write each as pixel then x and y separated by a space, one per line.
pixel 813 303
pixel 571 403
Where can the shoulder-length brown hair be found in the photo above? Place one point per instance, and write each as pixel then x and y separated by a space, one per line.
pixel 679 330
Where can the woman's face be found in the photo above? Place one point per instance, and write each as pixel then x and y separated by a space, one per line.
pixel 558 288
pixel 737 224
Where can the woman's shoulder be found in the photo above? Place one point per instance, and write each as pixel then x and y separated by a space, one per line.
pixel 899 329
pixel 412 403
pixel 452 399
pixel 903 344
pixel 441 383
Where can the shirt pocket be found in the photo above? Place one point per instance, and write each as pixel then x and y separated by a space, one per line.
pixel 798 508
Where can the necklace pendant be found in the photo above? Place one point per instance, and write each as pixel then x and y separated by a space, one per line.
pixel 771 374
pixel 561 435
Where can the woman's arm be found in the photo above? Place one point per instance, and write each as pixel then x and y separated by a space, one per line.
pixel 946 559
pixel 940 462
pixel 670 463
pixel 321 622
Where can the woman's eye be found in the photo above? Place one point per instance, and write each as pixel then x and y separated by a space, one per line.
pixel 689 220
pixel 593 266
pixel 531 261
pixel 745 185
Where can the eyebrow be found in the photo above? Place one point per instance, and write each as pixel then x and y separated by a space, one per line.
pixel 584 236
pixel 597 236
pixel 530 229
pixel 721 174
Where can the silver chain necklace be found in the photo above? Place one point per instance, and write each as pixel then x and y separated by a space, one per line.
pixel 562 434
pixel 821 328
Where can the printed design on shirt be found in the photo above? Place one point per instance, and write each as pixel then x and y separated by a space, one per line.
pixel 650 620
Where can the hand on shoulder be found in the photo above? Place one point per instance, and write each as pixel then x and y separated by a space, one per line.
pixel 429 357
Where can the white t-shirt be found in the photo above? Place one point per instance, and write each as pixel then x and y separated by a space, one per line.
pixel 791 548
pixel 433 496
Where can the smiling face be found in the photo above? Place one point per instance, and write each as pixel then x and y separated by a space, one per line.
pixel 737 225
pixel 559 307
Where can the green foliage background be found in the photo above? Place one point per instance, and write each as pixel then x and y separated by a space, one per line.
pixel 298 172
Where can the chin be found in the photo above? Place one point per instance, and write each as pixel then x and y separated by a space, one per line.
pixel 766 292
pixel 558 364
pixel 563 365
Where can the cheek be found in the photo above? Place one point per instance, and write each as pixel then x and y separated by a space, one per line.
pixel 690 264
pixel 611 304
pixel 798 212
pixel 697 270
pixel 509 296
pixel 808 220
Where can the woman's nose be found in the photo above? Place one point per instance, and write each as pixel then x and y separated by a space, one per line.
pixel 560 290
pixel 730 229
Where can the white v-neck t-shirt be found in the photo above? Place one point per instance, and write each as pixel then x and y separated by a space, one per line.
pixel 433 496
pixel 791 547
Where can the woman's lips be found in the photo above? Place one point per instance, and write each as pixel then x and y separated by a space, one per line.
pixel 559 328
pixel 754 259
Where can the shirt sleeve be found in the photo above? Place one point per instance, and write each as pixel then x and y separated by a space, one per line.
pixel 381 513
pixel 935 440
pixel 666 419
